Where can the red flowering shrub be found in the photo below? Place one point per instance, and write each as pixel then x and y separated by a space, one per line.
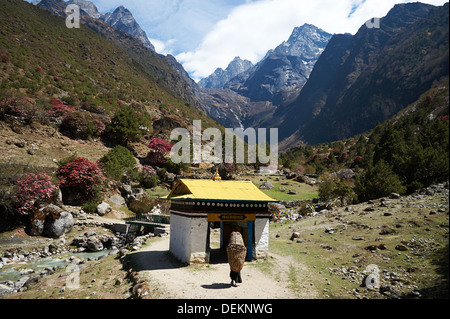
pixel 82 178
pixel 33 188
pixel 60 110
pixel 17 106
pixel 159 150
pixel 56 102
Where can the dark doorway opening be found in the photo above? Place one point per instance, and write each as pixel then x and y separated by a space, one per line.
pixel 219 236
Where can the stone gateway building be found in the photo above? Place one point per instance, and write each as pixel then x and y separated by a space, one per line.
pixel 235 205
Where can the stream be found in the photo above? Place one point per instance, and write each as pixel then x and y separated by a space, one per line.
pixel 15 271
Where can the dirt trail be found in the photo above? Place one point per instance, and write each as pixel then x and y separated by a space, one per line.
pixel 211 281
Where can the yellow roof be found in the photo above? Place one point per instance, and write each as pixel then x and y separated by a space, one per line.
pixel 217 190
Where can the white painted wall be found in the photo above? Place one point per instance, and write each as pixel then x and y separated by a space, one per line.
pixel 261 249
pixel 188 237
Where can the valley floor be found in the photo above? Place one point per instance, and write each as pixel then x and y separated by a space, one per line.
pixel 404 239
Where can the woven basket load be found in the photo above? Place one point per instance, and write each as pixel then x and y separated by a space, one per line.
pixel 236 239
pixel 236 252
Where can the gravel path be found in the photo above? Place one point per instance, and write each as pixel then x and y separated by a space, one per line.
pixel 210 281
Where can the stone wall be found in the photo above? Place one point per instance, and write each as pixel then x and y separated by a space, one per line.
pixel 188 238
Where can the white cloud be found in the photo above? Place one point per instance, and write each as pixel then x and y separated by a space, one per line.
pixel 251 29
pixel 205 34
pixel 187 21
pixel 162 47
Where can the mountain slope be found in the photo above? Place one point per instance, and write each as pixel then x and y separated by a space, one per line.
pixel 162 69
pixel 44 61
pixel 378 73
pixel 414 143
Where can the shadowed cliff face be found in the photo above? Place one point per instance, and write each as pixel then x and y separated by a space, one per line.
pixel 361 80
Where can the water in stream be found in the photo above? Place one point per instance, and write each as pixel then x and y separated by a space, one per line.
pixel 15 271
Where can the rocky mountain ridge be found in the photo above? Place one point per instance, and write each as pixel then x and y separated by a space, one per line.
pixel 220 77
pixel 121 18
pixel 88 7
pixel 266 86
pixel 284 70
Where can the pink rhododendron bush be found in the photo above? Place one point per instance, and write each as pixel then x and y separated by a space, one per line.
pixel 33 190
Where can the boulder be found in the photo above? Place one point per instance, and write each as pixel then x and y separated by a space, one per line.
pixel 126 189
pixel 401 247
pixel 5 289
pixel 103 208
pixel 79 241
pixel 345 173
pixel 117 199
pixel 266 185
pixel 37 222
pixel 50 221
pixel 295 235
pixel 94 244
pixel 57 223
pixel 306 179
pixel 170 177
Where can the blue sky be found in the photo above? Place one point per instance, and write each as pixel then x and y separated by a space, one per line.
pixel 206 34
pixel 175 26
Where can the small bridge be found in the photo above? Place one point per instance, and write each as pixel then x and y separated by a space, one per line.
pixel 160 222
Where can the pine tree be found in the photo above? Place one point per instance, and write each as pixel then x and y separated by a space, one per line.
pixel 378 181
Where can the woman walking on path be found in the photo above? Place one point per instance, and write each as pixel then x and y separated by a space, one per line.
pixel 236 252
